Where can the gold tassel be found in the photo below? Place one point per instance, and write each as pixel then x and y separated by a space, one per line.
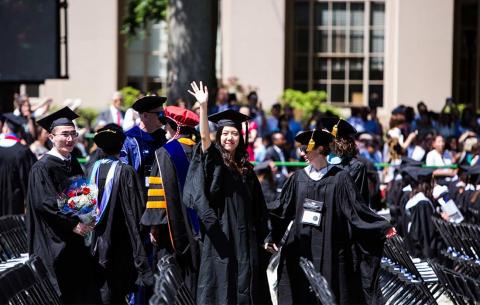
pixel 335 129
pixel 311 143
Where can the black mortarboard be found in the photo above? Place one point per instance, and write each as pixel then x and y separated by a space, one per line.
pixel 62 117
pixel 406 161
pixel 110 138
pixel 471 170
pixel 313 138
pixel 338 127
pixel 418 174
pixel 148 103
pixel 228 118
pixel 262 167
pixel 14 119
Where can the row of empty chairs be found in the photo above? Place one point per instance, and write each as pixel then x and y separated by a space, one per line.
pixel 170 289
pixel 23 280
pixel 459 272
pixel 407 280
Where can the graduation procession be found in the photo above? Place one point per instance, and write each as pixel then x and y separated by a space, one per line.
pixel 175 209
pixel 220 152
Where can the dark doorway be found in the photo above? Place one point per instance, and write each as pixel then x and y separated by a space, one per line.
pixel 466 85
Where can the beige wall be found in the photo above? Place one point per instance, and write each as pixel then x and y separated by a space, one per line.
pixel 419 51
pixel 92 38
pixel 253 43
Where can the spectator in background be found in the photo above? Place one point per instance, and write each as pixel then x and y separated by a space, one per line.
pixel 284 127
pixel 252 132
pixel 277 151
pixel 373 125
pixel 356 120
pixel 294 126
pixel 222 101
pixel 29 133
pixel 272 119
pixel 114 113
pixel 438 156
pixel 39 147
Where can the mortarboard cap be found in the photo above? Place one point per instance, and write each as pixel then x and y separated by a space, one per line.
pixel 406 161
pixel 14 119
pixel 228 118
pixel 338 127
pixel 319 137
pixel 471 170
pixel 181 116
pixel 418 174
pixel 148 103
pixel 110 138
pixel 62 117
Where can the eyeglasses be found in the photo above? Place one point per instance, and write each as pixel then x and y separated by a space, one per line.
pixel 303 148
pixel 72 134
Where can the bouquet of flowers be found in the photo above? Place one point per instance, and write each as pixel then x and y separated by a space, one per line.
pixel 80 199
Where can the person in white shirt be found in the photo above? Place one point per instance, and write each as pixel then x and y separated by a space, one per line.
pixel 438 156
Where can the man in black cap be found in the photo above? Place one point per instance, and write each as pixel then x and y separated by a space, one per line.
pixel 117 245
pixel 142 141
pixel 58 238
pixel 15 162
pixel 328 219
pixel 173 226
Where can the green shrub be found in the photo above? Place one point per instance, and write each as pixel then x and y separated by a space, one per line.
pixel 308 102
pixel 130 95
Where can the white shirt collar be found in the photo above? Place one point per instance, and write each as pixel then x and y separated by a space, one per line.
pixel 416 199
pixel 54 152
pixel 315 174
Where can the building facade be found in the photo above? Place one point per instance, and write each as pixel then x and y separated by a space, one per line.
pixel 361 52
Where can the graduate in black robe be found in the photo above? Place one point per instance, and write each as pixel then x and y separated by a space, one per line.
pixel 329 219
pixel 58 238
pixel 223 189
pixel 116 244
pixel 15 162
pixel 423 238
pixel 173 226
pixel 344 146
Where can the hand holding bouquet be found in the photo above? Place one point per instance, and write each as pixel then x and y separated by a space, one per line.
pixel 80 199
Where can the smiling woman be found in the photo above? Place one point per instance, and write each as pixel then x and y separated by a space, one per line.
pixel 227 196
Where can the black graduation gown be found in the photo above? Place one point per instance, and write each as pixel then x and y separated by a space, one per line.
pixel 50 232
pixel 358 171
pixel 172 220
pixel 424 239
pixel 394 192
pixel 233 224
pixel 15 164
pixel 116 243
pixel 346 220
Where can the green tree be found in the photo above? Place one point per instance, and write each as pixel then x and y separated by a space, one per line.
pixel 192 30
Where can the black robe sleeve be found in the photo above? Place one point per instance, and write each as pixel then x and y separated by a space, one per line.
pixel 286 210
pixel 203 177
pixel 154 216
pixel 132 204
pixel 422 231
pixel 368 233
pixel 43 197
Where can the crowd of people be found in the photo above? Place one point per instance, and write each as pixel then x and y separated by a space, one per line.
pixel 214 187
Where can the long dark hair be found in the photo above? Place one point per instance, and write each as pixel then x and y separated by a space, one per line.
pixel 240 161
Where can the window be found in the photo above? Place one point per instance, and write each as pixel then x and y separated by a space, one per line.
pixel 337 46
pixel 146 61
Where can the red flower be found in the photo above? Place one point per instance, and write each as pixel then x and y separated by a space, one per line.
pixel 94 201
pixel 71 194
pixel 71 204
pixel 86 191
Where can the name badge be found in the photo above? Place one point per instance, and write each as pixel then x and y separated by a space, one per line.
pixel 312 212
